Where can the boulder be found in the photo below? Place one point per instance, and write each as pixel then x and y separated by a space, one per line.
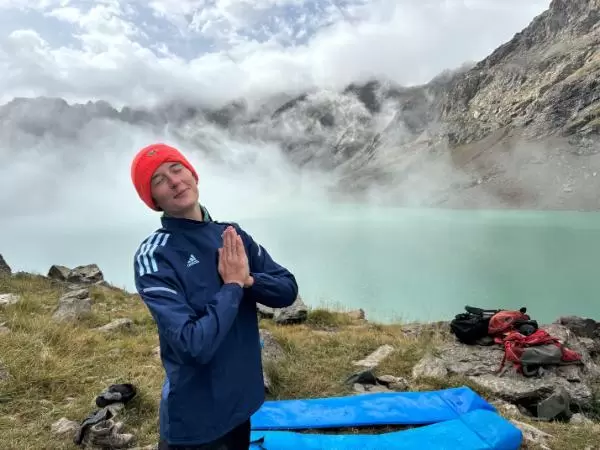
pixel 295 313
pixel 4 267
pixel 481 364
pixel 86 274
pixel 60 273
pixel 4 329
pixel 581 327
pixel 73 305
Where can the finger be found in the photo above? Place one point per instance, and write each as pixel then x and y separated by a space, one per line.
pixel 240 250
pixel 230 244
pixel 234 245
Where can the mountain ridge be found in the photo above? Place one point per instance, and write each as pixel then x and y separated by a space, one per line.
pixel 481 131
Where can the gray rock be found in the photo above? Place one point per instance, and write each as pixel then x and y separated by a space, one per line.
pixel 591 345
pixel 58 272
pixel 90 273
pixel 580 419
pixel 64 426
pixel 271 352
pixel 295 313
pixel 9 299
pixel 265 311
pixel 556 405
pixel 375 358
pixel 116 325
pixel 481 365
pixel 4 329
pixel 73 306
pixel 430 366
pixel 393 383
pixel 86 274
pixel 4 267
pixel 581 327
pixel 360 388
pixel 506 409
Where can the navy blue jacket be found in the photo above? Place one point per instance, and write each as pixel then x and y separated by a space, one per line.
pixel 208 331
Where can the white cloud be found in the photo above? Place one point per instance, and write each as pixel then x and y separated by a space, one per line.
pixel 128 53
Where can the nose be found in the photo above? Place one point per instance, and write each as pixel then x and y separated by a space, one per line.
pixel 173 180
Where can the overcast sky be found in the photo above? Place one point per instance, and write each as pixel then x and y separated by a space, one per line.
pixel 140 51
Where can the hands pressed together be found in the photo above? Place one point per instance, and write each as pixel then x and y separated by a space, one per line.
pixel 233 261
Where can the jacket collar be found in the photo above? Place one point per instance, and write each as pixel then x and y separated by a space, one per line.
pixel 176 222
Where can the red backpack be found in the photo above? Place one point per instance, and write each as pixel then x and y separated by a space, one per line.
pixel 529 353
pixel 505 321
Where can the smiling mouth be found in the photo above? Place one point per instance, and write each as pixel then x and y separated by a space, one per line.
pixel 181 193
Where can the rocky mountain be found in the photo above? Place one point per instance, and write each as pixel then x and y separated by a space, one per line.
pixel 517 129
pixel 544 80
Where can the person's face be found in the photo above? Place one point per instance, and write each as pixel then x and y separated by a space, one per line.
pixel 174 188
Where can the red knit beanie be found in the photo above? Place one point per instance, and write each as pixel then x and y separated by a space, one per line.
pixel 145 164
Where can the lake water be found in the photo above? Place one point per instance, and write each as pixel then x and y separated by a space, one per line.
pixel 396 264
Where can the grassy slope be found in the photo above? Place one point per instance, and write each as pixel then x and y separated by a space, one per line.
pixel 57 370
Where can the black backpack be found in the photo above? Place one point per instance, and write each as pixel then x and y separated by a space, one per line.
pixel 471 327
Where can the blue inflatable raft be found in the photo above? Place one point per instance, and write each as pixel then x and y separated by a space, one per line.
pixel 454 418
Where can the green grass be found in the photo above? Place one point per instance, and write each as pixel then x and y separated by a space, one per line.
pixel 57 370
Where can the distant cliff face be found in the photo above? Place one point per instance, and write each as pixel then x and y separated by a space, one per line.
pixel 545 79
pixel 459 129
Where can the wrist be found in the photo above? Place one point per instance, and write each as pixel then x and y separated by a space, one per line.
pixel 249 281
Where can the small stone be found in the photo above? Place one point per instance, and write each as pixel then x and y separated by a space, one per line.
pixel 116 325
pixel 580 419
pixel 506 408
pixel 394 383
pixel 358 387
pixel 375 358
pixel 378 388
pixel 64 426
